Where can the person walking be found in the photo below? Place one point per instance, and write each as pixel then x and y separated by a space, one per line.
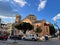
pixel 46 37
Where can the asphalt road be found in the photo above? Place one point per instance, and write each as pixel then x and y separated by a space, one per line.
pixel 21 42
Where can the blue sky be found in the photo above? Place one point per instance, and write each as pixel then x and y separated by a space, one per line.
pixel 42 9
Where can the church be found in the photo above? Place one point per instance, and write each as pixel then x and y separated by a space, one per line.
pixel 32 19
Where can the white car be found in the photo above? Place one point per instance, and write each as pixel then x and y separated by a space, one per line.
pixel 30 37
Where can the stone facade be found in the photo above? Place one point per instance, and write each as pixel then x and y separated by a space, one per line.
pixel 31 17
pixel 9 28
pixel 18 19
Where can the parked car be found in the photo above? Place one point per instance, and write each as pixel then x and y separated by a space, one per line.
pixel 42 38
pixel 16 37
pixel 46 37
pixel 3 37
pixel 30 37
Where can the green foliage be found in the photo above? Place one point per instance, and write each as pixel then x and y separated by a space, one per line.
pixel 38 30
pixel 52 30
pixel 24 26
pixel 17 26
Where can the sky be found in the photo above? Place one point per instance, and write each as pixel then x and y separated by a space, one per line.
pixel 42 9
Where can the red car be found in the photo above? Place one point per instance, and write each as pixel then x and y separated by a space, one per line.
pixel 3 37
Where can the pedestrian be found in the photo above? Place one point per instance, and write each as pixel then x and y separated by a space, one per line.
pixel 46 37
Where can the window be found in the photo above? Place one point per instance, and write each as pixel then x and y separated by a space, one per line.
pixel 47 29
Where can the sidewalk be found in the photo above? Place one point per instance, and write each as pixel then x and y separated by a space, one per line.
pixel 54 39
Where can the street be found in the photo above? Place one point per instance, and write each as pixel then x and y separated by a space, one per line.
pixel 21 42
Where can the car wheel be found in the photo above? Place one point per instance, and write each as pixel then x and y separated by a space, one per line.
pixel 23 38
pixel 33 39
pixel 5 39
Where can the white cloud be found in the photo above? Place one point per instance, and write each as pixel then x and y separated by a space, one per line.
pixel 56 17
pixel 42 4
pixel 21 2
pixel 47 22
pixel 6 17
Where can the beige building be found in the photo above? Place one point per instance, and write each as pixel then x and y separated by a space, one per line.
pixel 12 30
pixel 9 28
pixel 37 23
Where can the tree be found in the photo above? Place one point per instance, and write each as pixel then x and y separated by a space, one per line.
pixel 52 29
pixel 24 26
pixel 38 30
pixel 55 24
